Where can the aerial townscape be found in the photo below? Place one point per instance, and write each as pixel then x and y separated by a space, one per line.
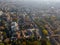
pixel 29 23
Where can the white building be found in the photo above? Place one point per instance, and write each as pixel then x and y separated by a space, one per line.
pixel 14 26
pixel 1 13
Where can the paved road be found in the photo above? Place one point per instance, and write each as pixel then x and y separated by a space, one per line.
pixel 52 40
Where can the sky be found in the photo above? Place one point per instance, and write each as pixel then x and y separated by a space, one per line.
pixel 36 0
pixel 41 0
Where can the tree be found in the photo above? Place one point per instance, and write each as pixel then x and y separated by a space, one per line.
pixel 45 32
